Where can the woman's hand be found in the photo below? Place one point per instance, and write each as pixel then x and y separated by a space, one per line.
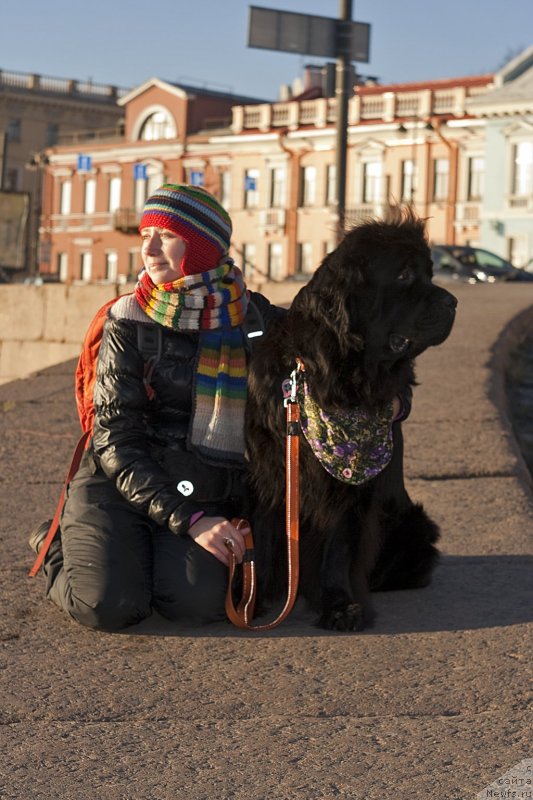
pixel 210 533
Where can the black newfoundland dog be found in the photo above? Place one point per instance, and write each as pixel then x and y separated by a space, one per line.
pixel 367 312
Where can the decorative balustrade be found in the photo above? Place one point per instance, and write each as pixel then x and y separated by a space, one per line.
pixel 33 82
pixel 384 107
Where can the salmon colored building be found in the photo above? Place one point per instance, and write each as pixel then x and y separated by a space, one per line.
pixel 272 165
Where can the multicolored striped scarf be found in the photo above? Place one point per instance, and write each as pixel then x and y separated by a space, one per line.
pixel 214 303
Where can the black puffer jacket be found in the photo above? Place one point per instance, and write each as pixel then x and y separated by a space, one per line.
pixel 140 443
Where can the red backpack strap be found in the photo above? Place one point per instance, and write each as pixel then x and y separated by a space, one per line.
pixel 86 368
pixel 84 387
pixel 54 525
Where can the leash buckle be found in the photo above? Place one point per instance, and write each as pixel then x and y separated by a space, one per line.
pixel 288 387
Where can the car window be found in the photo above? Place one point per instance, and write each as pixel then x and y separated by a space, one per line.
pixel 486 259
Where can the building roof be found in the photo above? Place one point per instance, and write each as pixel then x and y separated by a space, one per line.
pixel 513 89
pixel 435 85
pixel 187 90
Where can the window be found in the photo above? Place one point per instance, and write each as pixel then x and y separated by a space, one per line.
pixel 195 176
pixel 441 168
pixel 114 193
pixel 248 258
pixel 14 130
pixel 62 266
pixel 408 180
pixel 86 266
pixel 522 169
pixel 305 258
pixel 225 189
pixel 331 184
pixel 52 134
pixel 251 188
pixel 372 182
pixel 134 263
pixel 65 194
pixel 89 197
pixel 12 179
pixel 476 178
pixel 275 261
pixel 277 187
pixel 158 125
pixel 144 187
pixel 111 264
pixel 308 186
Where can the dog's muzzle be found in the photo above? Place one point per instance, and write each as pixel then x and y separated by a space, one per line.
pixel 430 329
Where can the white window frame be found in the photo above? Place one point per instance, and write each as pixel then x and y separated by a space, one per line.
pixel 305 258
pixel 278 187
pixel 157 125
pixel 441 179
pixel 251 196
pixel 522 175
pixel 89 196
pixel 408 188
pixel 249 257
pixel 309 184
pixel 144 187
pixel 475 186
pixel 331 184
pixel 65 196
pixel 86 266
pixel 225 189
pixel 275 261
pixel 62 266
pixel 372 181
pixel 111 266
pixel 114 193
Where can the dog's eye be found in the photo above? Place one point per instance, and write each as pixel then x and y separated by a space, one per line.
pixel 404 275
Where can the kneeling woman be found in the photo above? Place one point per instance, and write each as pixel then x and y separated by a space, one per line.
pixel 146 515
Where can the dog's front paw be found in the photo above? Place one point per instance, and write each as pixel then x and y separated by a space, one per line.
pixel 349 618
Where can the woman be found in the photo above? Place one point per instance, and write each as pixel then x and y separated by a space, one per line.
pixel 147 515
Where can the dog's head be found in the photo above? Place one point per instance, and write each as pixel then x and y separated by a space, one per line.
pixel 369 310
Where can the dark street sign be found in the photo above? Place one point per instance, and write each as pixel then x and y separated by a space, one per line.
pixel 270 29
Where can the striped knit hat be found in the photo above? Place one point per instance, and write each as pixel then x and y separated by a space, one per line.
pixel 197 217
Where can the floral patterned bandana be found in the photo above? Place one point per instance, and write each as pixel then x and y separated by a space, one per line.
pixel 353 446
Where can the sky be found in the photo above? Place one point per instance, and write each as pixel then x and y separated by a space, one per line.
pixel 204 42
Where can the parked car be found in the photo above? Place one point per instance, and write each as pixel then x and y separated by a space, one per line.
pixel 473 265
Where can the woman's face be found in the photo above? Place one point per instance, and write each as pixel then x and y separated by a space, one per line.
pixel 162 253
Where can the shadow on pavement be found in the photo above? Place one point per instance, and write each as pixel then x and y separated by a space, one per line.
pixel 467 593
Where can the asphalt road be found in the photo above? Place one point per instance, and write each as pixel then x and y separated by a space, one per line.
pixel 430 704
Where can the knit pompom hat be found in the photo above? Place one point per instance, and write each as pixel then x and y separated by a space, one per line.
pixel 197 217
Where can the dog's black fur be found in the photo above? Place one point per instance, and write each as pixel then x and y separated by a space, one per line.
pixel 367 312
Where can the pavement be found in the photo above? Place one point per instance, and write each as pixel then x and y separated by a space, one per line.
pixel 430 704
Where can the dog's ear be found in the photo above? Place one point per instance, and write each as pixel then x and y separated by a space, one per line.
pixel 326 298
pixel 321 327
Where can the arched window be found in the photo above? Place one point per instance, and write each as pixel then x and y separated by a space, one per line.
pixel 159 125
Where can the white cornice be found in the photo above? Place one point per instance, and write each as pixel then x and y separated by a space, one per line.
pixel 151 82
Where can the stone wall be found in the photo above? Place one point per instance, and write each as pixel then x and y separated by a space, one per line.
pixel 44 325
pixel 41 326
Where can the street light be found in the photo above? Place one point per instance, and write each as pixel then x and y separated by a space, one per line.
pixel 37 163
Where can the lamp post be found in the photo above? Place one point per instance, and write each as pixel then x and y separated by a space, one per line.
pixel 36 164
pixel 341 95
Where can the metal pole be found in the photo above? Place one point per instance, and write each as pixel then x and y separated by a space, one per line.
pixel 341 95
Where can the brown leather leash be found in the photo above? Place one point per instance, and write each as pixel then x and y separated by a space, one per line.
pixel 242 616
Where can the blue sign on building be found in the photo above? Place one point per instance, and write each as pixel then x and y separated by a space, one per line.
pixel 250 183
pixel 197 178
pixel 139 172
pixel 84 163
